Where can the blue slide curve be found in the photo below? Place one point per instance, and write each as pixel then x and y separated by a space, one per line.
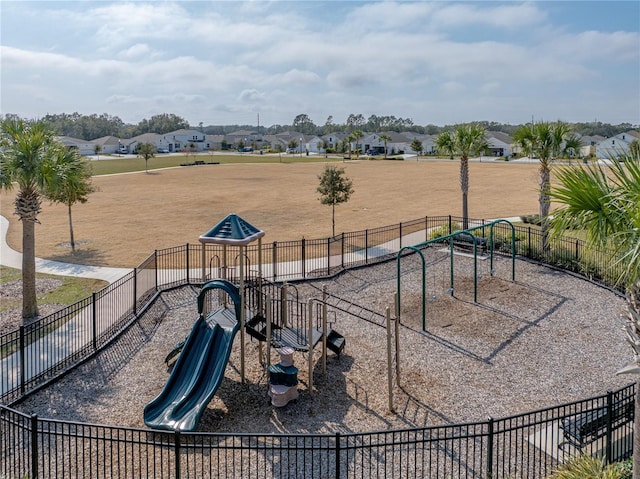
pixel 199 369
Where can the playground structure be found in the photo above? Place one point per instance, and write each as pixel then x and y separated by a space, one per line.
pixel 492 443
pixel 465 239
pixel 282 322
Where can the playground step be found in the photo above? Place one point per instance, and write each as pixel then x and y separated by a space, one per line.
pixel 335 342
pixel 280 375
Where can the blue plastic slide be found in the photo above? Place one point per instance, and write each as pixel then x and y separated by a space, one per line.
pixel 199 370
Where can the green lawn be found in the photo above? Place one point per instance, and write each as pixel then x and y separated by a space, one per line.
pixel 113 164
pixel 71 290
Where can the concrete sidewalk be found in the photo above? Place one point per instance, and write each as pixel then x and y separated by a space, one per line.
pixel 12 258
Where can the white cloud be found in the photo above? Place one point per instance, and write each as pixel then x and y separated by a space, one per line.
pixel 331 58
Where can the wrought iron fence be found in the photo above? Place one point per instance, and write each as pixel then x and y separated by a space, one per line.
pixel 36 354
pixel 524 446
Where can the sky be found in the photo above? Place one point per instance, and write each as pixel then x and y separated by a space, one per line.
pixel 228 62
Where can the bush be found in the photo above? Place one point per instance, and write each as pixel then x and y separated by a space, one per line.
pixel 587 467
pixel 532 219
pixel 443 230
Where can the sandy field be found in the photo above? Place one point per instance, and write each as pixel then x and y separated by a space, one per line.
pixel 133 214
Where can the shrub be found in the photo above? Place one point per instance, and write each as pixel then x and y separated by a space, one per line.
pixel 532 219
pixel 443 230
pixel 587 467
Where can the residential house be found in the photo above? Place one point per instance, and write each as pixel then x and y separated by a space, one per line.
pixel 109 145
pixel 83 147
pixel 245 138
pixel 158 141
pixel 334 140
pixel 428 141
pixel 184 139
pixel 589 144
pixel 616 145
pixel 500 143
pixel 397 144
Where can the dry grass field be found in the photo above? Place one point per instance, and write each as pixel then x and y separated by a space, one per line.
pixel 133 214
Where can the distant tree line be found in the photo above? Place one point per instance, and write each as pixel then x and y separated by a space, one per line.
pixel 90 127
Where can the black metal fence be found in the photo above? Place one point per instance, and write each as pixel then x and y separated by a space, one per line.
pixel 524 446
pixel 32 356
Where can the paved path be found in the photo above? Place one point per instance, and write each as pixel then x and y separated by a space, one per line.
pixel 12 258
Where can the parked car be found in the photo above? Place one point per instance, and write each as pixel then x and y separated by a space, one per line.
pixel 163 150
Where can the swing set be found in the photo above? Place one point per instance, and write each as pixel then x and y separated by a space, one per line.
pixel 467 236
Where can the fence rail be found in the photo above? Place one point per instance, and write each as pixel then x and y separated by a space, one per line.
pixel 34 355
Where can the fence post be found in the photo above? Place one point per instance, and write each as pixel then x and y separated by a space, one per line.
pixel 34 446
pixel 400 231
pixel 274 257
pixel 187 258
pixel 338 446
pixel 94 321
pixel 608 445
pixel 366 246
pixel 176 449
pixel 135 291
pixel 328 256
pixel 304 260
pixel 426 228
pixel 22 364
pixel 450 225
pixel 577 249
pixel 529 242
pixel 155 261
pixel 342 252
pixel 490 448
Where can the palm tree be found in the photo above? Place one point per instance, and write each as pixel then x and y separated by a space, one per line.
pixel 605 205
pixel 72 185
pixel 357 134
pixel 27 158
pixel 546 141
pixel 386 139
pixel 467 139
pixel 147 150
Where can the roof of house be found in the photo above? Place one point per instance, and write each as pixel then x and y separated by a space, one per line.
pixel 106 140
pixel 184 132
pixel 146 138
pixel 501 136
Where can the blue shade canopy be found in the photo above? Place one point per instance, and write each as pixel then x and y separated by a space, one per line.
pixel 232 230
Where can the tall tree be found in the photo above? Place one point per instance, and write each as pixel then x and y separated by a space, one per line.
pixel 97 149
pixel 27 157
pixel 386 139
pixel 328 125
pixel 147 150
pixel 334 189
pixel 467 139
pixel 604 203
pixel 73 183
pixel 304 124
pixel 546 141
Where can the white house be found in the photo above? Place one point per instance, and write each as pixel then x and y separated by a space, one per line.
pixel 108 145
pixel 186 139
pixel 616 145
pixel 395 144
pixel 159 141
pixel 589 144
pixel 85 148
pixel 334 139
pixel 500 143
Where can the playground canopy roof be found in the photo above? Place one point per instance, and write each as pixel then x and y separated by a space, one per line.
pixel 232 230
